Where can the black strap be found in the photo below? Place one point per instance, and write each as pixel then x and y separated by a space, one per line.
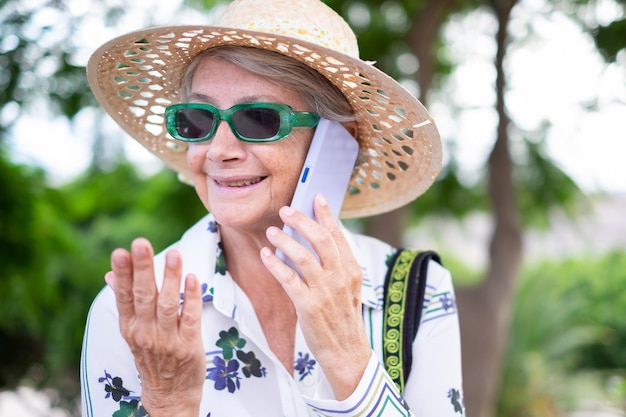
pixel 405 288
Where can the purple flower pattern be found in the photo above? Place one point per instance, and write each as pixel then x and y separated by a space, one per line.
pixel 225 370
pixel 446 301
pixel 304 364
pixel 225 374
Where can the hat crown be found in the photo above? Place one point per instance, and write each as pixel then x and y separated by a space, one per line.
pixel 308 20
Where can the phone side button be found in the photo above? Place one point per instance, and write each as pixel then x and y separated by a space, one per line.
pixel 305 174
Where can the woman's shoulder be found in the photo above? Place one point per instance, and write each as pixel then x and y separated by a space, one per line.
pixel 376 256
pixel 370 245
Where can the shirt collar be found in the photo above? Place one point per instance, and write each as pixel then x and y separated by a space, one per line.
pixel 202 252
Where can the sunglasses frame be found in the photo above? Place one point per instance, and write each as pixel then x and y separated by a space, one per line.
pixel 288 120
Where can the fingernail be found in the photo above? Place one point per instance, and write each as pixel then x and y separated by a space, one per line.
pixel 272 231
pixel 171 260
pixel 266 252
pixel 287 211
pixel 120 261
pixel 139 250
pixel 191 282
pixel 108 278
pixel 321 200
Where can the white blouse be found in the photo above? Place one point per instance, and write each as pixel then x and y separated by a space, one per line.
pixel 243 376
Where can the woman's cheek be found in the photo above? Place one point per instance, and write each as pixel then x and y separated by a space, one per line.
pixel 196 155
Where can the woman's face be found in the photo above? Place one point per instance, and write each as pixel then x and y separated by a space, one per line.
pixel 244 184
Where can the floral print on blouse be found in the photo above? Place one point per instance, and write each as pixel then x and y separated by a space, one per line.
pixel 244 378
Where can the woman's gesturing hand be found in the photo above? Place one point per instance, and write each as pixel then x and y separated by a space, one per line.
pixel 327 297
pixel 164 339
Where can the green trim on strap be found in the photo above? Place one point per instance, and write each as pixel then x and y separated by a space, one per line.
pixel 393 321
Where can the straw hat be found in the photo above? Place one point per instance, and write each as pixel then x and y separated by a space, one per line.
pixel 137 75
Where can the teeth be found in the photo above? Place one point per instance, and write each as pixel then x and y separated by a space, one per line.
pixel 241 183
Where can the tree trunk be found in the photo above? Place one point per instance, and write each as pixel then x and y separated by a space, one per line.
pixel 485 310
pixel 389 227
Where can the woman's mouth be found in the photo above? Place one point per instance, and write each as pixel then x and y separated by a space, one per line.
pixel 239 182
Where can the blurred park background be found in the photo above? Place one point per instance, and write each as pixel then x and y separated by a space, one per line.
pixel 529 212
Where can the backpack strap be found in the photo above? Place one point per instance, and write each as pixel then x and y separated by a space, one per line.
pixel 405 288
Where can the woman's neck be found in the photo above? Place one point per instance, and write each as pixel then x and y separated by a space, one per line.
pixel 243 260
pixel 273 307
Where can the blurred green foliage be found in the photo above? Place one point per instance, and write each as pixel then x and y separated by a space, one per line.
pixel 54 246
pixel 601 282
pixel 567 337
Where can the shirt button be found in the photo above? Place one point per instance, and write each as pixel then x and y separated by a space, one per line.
pixel 308 381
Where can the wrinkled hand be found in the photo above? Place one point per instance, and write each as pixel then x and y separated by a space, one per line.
pixel 166 344
pixel 328 296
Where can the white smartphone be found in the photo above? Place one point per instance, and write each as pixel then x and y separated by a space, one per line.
pixel 326 170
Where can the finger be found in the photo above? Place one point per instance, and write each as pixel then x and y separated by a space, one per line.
pixel 295 287
pixel 318 236
pixel 325 217
pixel 347 261
pixel 144 288
pixel 322 211
pixel 122 279
pixel 109 278
pixel 169 296
pixel 299 255
pixel 191 313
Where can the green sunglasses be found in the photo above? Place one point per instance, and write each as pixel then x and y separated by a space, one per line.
pixel 250 122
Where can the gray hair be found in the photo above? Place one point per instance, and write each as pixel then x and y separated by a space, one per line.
pixel 319 94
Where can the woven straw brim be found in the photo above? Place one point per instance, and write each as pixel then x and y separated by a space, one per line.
pixel 135 76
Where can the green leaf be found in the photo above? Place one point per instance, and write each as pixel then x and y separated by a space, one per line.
pixel 611 39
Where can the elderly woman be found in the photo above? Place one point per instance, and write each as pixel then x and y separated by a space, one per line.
pixel 217 324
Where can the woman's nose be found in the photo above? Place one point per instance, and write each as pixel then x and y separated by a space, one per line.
pixel 225 146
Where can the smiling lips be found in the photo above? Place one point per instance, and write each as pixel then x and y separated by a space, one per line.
pixel 239 183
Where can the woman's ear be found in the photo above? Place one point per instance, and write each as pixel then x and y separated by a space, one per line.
pixel 352 127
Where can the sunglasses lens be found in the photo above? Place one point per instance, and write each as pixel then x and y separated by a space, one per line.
pixel 257 123
pixel 194 123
